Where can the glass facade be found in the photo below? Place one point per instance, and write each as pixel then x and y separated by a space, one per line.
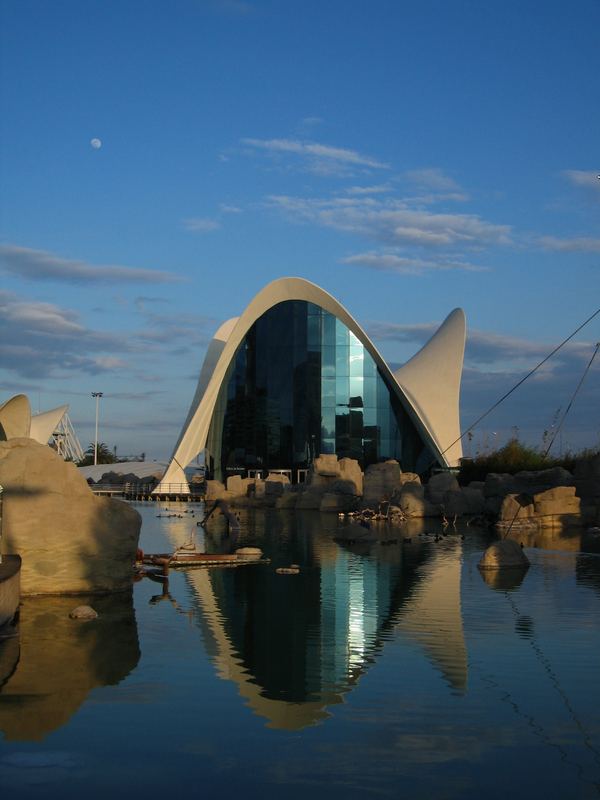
pixel 301 384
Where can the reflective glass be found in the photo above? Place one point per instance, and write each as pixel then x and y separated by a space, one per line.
pixel 301 383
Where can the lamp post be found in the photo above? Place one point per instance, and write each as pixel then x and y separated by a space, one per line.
pixel 97 395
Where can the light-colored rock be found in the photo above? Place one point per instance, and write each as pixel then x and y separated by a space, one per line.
pixel 83 612
pixel 70 541
pixel 215 490
pixel 350 471
pixel 413 503
pixel 409 477
pixel 234 484
pixel 380 482
pixel 438 485
pixel 505 554
pixel 277 477
pixel 327 465
pixel 516 507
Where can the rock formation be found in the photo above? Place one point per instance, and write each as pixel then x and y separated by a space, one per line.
pixel 70 541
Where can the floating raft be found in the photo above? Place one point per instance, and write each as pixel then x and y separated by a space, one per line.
pixel 192 558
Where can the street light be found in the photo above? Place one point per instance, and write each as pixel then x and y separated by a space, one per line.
pixel 97 395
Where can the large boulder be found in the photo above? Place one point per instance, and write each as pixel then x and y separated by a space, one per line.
pixel 215 490
pixel 412 502
pixel 558 502
pixel 526 482
pixel 439 484
pixel 380 482
pixel 326 465
pixel 505 554
pixel 516 507
pixel 70 541
pixel 350 471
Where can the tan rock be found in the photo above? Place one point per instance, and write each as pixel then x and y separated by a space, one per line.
pixel 505 554
pixel 409 477
pixel 70 541
pixel 519 506
pixel 438 485
pixel 350 471
pixel 380 482
pixel 327 464
pixel 85 613
pixel 215 490
pixel 277 477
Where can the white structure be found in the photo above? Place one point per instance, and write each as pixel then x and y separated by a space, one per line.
pixel 427 387
pixel 50 427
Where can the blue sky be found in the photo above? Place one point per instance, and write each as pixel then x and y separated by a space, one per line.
pixel 407 157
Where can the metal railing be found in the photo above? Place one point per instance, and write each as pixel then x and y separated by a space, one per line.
pixel 127 489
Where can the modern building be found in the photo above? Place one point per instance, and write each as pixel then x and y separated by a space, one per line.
pixel 51 427
pixel 296 376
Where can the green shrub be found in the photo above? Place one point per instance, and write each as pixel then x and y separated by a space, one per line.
pixel 515 457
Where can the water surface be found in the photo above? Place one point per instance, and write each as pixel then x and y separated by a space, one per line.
pixel 380 670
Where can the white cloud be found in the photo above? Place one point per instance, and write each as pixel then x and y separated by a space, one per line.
pixel 576 244
pixel 39 265
pixel 432 178
pixel 321 157
pixel 382 188
pixel 310 122
pixel 403 265
pixel 485 347
pixel 225 208
pixel 393 222
pixel 201 224
pixel 586 178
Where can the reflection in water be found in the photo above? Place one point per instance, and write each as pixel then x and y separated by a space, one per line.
pixel 504 580
pixel 62 660
pixel 295 644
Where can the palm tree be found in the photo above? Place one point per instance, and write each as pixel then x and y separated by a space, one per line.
pixel 104 455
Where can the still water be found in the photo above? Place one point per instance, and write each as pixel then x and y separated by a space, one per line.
pixel 378 671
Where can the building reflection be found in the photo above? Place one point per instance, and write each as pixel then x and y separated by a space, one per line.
pixel 49 670
pixel 295 645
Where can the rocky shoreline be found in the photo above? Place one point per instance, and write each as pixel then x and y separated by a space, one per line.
pixel 551 498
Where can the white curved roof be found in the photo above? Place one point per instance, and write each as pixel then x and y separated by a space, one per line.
pixel 15 417
pixel 427 417
pixel 43 425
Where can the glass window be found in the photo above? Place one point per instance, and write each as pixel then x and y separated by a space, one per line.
pixel 328 361
pixel 328 391
pixel 342 356
pixel 341 334
pixel 356 362
pixel 301 383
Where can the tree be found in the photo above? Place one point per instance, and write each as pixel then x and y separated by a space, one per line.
pixel 105 455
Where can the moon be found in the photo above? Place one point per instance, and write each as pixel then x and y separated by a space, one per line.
pixel 96 144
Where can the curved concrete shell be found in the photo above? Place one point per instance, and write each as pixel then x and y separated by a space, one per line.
pixel 427 387
pixel 15 418
pixel 43 425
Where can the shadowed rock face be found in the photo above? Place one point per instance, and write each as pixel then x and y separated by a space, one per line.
pixel 61 660
pixel 70 541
